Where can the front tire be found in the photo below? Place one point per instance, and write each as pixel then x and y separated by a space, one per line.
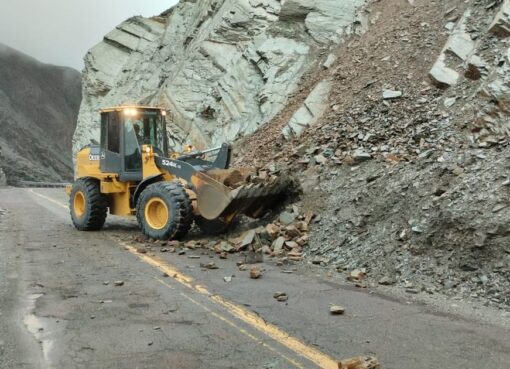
pixel 88 206
pixel 164 211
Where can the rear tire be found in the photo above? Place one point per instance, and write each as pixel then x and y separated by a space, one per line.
pixel 164 211
pixel 88 206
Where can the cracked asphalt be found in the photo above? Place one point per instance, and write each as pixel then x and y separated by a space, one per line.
pixel 60 307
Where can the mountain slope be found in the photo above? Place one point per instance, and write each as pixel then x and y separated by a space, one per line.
pixel 38 109
pixel 223 67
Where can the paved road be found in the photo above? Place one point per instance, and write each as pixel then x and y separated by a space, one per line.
pixel 60 308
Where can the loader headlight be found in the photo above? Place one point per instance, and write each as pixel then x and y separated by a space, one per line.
pixel 130 112
pixel 163 113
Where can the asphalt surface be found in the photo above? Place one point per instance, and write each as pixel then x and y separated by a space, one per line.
pixel 60 307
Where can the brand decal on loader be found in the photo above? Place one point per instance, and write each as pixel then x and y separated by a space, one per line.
pixel 93 157
pixel 170 164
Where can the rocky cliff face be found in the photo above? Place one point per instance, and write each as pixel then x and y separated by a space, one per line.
pixel 223 67
pixel 38 109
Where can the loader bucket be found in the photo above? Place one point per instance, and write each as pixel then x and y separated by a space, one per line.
pixel 215 200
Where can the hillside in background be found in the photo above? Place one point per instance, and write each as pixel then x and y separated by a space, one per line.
pixel 38 109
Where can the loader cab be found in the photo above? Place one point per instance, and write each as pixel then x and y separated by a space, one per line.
pixel 123 133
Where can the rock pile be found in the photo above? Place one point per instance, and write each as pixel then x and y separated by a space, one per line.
pixel 284 239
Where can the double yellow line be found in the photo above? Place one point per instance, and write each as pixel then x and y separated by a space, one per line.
pixel 303 350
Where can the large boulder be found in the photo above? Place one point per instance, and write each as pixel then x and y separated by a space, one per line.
pixel 223 67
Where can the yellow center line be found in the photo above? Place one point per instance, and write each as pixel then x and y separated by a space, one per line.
pixel 50 199
pixel 317 357
pixel 232 324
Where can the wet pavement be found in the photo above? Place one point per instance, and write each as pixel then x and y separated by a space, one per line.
pixel 61 308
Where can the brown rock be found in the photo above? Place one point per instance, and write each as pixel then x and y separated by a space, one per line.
pixel 292 231
pixel 302 226
pixel 308 217
pixel 356 275
pixel 255 272
pixel 291 245
pixel 359 363
pixel 273 230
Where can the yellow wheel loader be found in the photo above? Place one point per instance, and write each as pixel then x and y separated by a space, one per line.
pixel 131 173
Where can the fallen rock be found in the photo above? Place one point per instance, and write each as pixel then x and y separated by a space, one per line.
pixel 247 240
pixel 442 76
pixel 501 24
pixel 356 275
pixel 387 281
pixel 287 218
pixel 278 245
pixel 361 155
pixel 359 363
pixel 273 230
pixel 337 310
pixel 292 231
pixel 228 279
pixel 211 265
pixel 330 60
pixel 226 247
pixel 255 272
pixel 281 296
pixel 391 94
pixel 118 283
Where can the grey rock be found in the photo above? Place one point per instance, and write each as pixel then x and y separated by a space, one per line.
pixel 442 76
pixel 391 94
pixel 450 101
pixel 387 281
pixel 460 44
pixel 287 218
pixel 311 110
pixel 278 245
pixel 337 310
pixel 330 60
pixel 501 24
pixel 361 155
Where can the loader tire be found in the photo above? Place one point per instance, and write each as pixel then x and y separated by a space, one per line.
pixel 88 206
pixel 211 227
pixel 164 211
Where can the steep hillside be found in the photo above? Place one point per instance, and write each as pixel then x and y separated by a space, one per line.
pixel 223 67
pixel 38 109
pixel 408 168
